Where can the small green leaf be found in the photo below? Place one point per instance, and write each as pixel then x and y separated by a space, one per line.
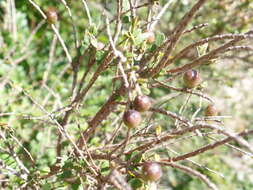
pixel 145 90
pixel 105 171
pixel 100 55
pixel 202 49
pixel 45 169
pixel 68 164
pixel 95 141
pixel 153 47
pixel 105 168
pixel 46 186
pixel 128 156
pixel 93 30
pixel 137 159
pixel 86 40
pixel 65 174
pixel 93 41
pixel 158 130
pixel 136 183
pixel 119 98
pixel 139 37
pixel 160 38
pixel 75 186
pixel 126 19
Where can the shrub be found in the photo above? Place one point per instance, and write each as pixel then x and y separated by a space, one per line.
pixel 69 81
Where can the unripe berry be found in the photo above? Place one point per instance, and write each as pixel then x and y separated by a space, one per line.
pixel 152 171
pixel 132 118
pixel 211 110
pixel 51 14
pixel 192 78
pixel 142 103
pixel 100 46
pixel 150 37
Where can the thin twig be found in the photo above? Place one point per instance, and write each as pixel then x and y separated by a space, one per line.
pixel 55 31
pixel 177 32
pixel 208 147
pixel 212 54
pixel 158 17
pixel 87 11
pixel 190 171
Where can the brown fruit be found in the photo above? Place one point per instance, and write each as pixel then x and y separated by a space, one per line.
pixel 132 118
pixel 192 78
pixel 52 16
pixel 211 110
pixel 142 103
pixel 152 171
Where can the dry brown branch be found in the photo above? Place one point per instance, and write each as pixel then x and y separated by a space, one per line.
pixel 102 114
pixel 208 147
pixel 118 180
pixel 176 34
pixel 80 96
pixel 212 54
pixel 200 26
pixel 203 41
pixel 185 90
pixel 88 67
pixel 158 17
pixel 190 171
pixel 61 128
pixel 174 134
pixel 172 115
pixel 23 169
pixel 11 170
pixel 146 59
pixel 164 138
pixel 197 164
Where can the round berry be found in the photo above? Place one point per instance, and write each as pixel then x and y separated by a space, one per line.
pixel 51 14
pixel 142 103
pixel 132 118
pixel 152 171
pixel 211 110
pixel 100 46
pixel 150 37
pixel 192 78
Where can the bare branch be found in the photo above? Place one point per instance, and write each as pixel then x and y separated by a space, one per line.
pixel 203 41
pixel 208 147
pixel 176 34
pixel 212 54
pixel 185 90
pixel 190 171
